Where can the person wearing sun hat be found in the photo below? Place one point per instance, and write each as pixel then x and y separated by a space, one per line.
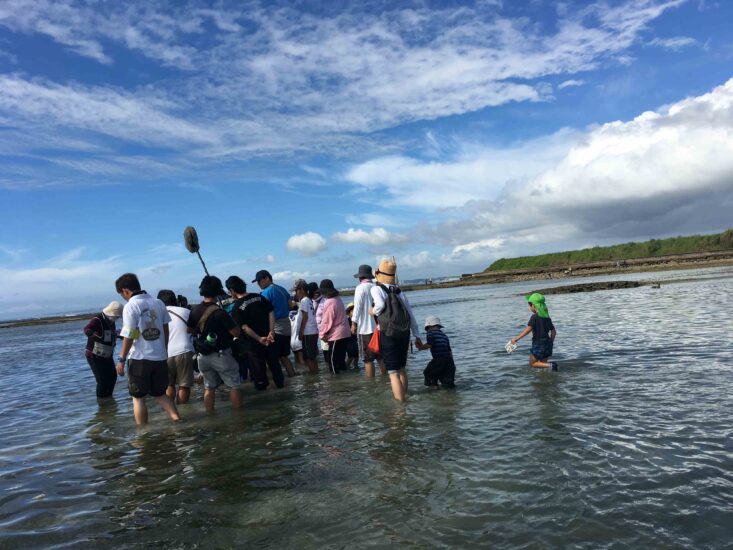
pixel 363 324
pixel 101 334
pixel 543 333
pixel 441 368
pixel 396 322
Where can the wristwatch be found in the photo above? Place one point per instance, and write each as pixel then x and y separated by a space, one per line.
pixel 121 359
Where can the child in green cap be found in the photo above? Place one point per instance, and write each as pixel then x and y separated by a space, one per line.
pixel 543 333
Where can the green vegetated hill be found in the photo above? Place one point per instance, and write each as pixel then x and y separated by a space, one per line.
pixel 626 251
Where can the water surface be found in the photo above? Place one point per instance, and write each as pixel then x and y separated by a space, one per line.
pixel 628 445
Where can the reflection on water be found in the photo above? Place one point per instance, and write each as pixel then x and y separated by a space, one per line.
pixel 630 444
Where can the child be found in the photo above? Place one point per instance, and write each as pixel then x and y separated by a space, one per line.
pixel 352 348
pixel 543 333
pixel 441 368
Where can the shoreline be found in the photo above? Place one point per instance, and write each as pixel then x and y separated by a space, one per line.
pixel 697 261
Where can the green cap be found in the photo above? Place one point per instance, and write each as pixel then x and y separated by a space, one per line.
pixel 538 301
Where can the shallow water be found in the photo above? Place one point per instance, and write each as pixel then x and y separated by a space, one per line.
pixel 630 444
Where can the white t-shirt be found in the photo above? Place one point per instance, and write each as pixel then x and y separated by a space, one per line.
pixel 365 323
pixel 143 318
pixel 179 339
pixel 306 306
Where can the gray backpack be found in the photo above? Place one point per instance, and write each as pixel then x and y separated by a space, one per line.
pixel 394 321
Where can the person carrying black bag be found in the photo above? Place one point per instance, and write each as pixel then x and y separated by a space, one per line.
pixel 214 331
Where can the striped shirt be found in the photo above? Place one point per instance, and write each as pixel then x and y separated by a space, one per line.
pixel 440 345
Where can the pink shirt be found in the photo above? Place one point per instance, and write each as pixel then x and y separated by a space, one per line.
pixel 334 322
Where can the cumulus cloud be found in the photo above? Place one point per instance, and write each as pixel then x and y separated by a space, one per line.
pixel 307 244
pixel 665 171
pixel 477 250
pixel 376 237
pixel 475 172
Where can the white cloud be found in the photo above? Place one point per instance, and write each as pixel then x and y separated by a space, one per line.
pixel 674 43
pixel 475 173
pixel 308 244
pixel 373 219
pixel 667 171
pixel 475 251
pixel 570 84
pixel 286 277
pixel 274 79
pixel 376 237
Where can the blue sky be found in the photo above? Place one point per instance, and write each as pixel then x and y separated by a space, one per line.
pixel 310 138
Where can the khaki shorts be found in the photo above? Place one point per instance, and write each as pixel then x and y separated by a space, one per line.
pixel 180 370
pixel 368 355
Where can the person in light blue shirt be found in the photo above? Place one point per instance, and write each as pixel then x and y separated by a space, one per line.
pixel 280 300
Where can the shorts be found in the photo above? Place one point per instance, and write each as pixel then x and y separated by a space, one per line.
pixel 310 346
pixel 541 350
pixel 367 354
pixel 219 368
pixel 180 370
pixel 394 352
pixel 282 344
pixel 440 369
pixel 145 377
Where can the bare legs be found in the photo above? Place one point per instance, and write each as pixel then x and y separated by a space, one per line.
pixel 287 365
pixel 369 368
pixel 312 366
pixel 235 396
pixel 537 364
pixel 398 380
pixel 140 409
pixel 183 394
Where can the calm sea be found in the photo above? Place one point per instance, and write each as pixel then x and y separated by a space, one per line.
pixel 629 445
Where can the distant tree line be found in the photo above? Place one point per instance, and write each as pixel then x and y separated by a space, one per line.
pixel 626 251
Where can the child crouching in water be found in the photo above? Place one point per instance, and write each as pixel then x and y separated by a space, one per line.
pixel 441 368
pixel 543 333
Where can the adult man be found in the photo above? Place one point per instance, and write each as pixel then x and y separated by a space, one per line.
pixel 254 314
pixel 180 348
pixel 144 342
pixel 362 323
pixel 214 330
pixel 280 300
pixel 101 336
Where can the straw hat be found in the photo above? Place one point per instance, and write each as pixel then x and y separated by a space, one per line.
pixel 386 272
pixel 114 309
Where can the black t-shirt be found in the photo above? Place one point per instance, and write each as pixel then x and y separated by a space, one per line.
pixel 541 327
pixel 253 310
pixel 218 322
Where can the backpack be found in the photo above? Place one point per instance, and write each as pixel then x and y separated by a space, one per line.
pixel 394 321
pixel 200 343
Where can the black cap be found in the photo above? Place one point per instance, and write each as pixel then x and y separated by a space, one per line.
pixel 262 274
pixel 365 272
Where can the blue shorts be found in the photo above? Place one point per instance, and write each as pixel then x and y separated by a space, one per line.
pixel 541 350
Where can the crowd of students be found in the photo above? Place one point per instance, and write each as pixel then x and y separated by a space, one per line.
pixel 234 336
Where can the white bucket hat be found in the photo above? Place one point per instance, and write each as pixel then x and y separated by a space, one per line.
pixel 114 309
pixel 432 321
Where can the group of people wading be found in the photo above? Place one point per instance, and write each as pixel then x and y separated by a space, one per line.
pixel 237 335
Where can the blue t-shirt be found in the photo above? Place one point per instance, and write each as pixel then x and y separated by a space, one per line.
pixel 440 345
pixel 279 299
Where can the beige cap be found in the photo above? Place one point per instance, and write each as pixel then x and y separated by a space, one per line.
pixel 114 309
